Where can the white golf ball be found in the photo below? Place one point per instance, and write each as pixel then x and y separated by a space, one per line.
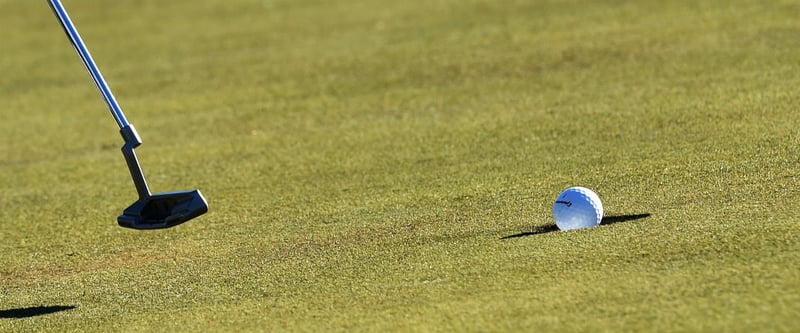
pixel 577 208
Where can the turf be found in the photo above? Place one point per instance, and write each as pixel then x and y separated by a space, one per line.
pixel 390 166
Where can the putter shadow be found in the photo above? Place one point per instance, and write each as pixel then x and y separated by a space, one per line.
pixel 552 227
pixel 34 311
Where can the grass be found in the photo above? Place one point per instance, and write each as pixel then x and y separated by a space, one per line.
pixel 366 162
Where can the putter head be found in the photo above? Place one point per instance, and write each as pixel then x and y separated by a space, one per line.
pixel 164 210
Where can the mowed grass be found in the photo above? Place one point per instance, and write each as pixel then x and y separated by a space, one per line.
pixel 385 166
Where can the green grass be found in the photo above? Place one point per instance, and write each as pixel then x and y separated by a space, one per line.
pixel 364 160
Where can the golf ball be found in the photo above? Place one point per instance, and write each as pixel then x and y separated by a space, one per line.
pixel 577 208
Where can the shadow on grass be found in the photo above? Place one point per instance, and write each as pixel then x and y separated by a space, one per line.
pixel 33 311
pixel 605 221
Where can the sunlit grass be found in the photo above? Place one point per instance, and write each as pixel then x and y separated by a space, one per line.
pixel 375 166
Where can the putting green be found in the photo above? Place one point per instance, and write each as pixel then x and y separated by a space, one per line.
pixel 377 166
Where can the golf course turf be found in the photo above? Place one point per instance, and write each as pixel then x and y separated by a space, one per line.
pixel 391 166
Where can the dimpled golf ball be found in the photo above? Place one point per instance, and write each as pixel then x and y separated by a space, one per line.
pixel 577 208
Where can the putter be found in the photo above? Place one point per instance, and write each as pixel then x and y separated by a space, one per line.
pixel 151 211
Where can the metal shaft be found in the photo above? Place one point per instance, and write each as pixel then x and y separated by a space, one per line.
pixel 101 84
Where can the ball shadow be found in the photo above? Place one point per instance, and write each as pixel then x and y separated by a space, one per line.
pixel 33 311
pixel 552 227
pixel 622 218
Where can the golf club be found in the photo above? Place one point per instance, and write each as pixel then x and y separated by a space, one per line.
pixel 151 211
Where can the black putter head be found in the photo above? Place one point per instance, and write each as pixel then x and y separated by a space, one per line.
pixel 160 210
pixel 163 210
